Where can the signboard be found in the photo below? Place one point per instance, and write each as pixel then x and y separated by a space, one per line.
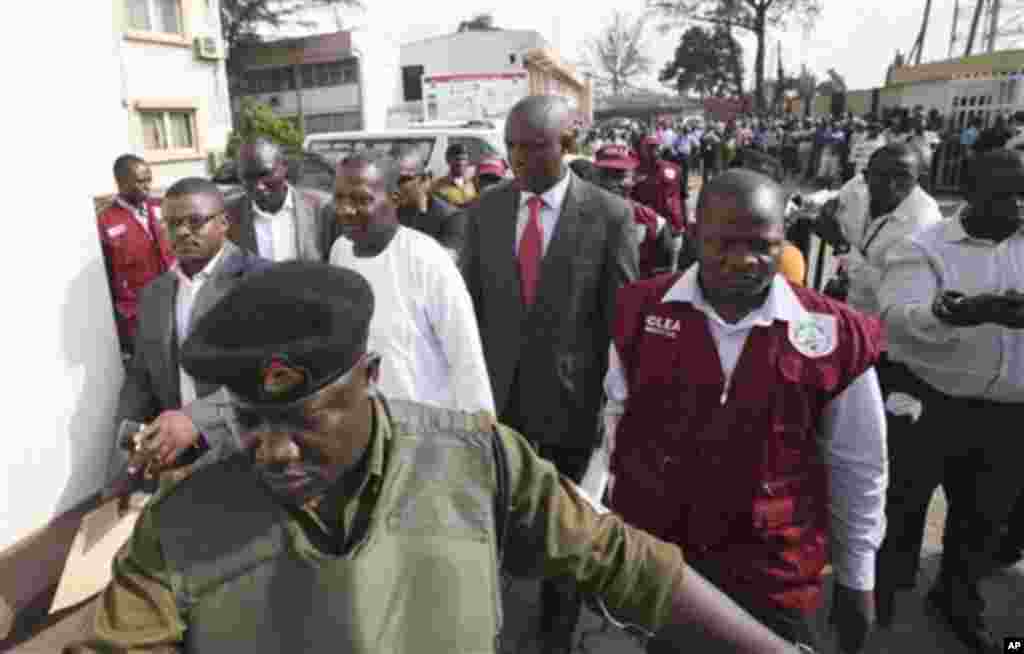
pixel 486 96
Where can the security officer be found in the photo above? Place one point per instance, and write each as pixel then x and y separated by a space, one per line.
pixel 657 184
pixel 357 524
pixel 615 165
pixel 457 187
pixel 752 483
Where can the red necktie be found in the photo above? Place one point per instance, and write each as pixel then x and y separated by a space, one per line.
pixel 530 247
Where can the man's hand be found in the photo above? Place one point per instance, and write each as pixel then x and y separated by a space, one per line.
pixel 853 616
pixel 175 434
pixel 1010 312
pixel 827 227
pixel 958 310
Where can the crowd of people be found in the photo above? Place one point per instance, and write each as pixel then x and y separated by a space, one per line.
pixel 365 409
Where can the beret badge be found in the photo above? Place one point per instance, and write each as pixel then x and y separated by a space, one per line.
pixel 282 378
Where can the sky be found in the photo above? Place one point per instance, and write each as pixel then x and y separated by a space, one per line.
pixel 858 38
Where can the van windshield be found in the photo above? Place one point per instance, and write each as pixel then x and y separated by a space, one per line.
pixel 335 150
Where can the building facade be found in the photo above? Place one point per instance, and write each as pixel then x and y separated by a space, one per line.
pixel 488 70
pixel 173 84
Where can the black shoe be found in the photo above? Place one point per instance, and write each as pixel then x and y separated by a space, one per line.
pixel 969 629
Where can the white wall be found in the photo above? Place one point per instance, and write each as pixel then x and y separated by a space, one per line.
pixel 471 52
pixel 379 73
pixel 323 100
pixel 61 369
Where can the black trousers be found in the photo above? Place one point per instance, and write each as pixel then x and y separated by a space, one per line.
pixel 560 600
pixel 792 625
pixel 973 449
pixel 1015 525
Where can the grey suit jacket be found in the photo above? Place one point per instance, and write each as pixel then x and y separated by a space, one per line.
pixel 311 227
pixel 560 344
pixel 152 379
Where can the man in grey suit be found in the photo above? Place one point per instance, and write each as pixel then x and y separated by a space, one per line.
pixel 274 219
pixel 544 258
pixel 155 389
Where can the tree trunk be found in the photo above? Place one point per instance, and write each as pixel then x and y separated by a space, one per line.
pixel 759 32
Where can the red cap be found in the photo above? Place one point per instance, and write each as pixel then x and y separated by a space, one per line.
pixel 491 166
pixel 617 157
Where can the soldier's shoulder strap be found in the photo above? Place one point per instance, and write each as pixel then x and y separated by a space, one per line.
pixel 419 416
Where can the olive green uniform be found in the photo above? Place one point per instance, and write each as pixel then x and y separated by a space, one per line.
pixel 551 530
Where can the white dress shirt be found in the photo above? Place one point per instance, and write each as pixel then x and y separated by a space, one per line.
pixel 986 361
pixel 188 289
pixel 139 213
pixel 871 239
pixel 852 431
pixel 423 323
pixel 553 199
pixel 276 235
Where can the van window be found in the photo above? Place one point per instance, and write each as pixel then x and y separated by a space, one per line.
pixel 337 149
pixel 477 147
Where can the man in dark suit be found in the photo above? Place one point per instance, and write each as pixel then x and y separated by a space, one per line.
pixel 543 259
pixel 155 389
pixel 274 219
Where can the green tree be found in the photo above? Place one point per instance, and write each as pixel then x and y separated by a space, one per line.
pixel 754 16
pixel 257 119
pixel 616 54
pixel 706 62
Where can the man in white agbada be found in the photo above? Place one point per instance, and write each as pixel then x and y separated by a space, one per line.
pixel 423 321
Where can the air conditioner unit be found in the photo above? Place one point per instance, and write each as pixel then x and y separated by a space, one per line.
pixel 207 47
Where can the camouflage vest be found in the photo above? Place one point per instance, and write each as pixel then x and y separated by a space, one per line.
pixel 423 577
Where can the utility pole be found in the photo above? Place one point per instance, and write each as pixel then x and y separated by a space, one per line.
pixel 952 34
pixel 914 58
pixel 974 27
pixel 993 25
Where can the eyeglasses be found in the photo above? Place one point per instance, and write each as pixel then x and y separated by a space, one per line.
pixel 195 222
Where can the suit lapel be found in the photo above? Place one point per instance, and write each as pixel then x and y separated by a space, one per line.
pixel 246 227
pixel 168 377
pixel 498 255
pixel 218 283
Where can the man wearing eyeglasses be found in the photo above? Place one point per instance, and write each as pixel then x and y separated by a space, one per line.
pixel 155 387
pixel 423 210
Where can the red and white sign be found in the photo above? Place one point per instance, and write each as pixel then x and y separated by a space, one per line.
pixel 472 96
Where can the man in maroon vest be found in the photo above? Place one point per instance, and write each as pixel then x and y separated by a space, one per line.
pixel 135 248
pixel 728 384
pixel 616 164
pixel 658 184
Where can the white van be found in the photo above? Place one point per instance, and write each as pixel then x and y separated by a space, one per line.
pixel 432 142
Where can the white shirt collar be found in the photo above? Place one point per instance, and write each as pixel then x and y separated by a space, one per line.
pixel 287 207
pixel 203 274
pixel 781 304
pixel 139 211
pixel 553 197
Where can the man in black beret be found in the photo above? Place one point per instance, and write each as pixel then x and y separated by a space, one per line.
pixel 354 523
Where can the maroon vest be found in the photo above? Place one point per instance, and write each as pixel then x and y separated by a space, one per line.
pixel 735 477
pixel 649 245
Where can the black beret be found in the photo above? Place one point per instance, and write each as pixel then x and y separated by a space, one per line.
pixel 283 333
pixel 456 150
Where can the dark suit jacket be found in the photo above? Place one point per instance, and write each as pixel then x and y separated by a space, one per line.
pixel 560 345
pixel 313 224
pixel 444 222
pixel 152 382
